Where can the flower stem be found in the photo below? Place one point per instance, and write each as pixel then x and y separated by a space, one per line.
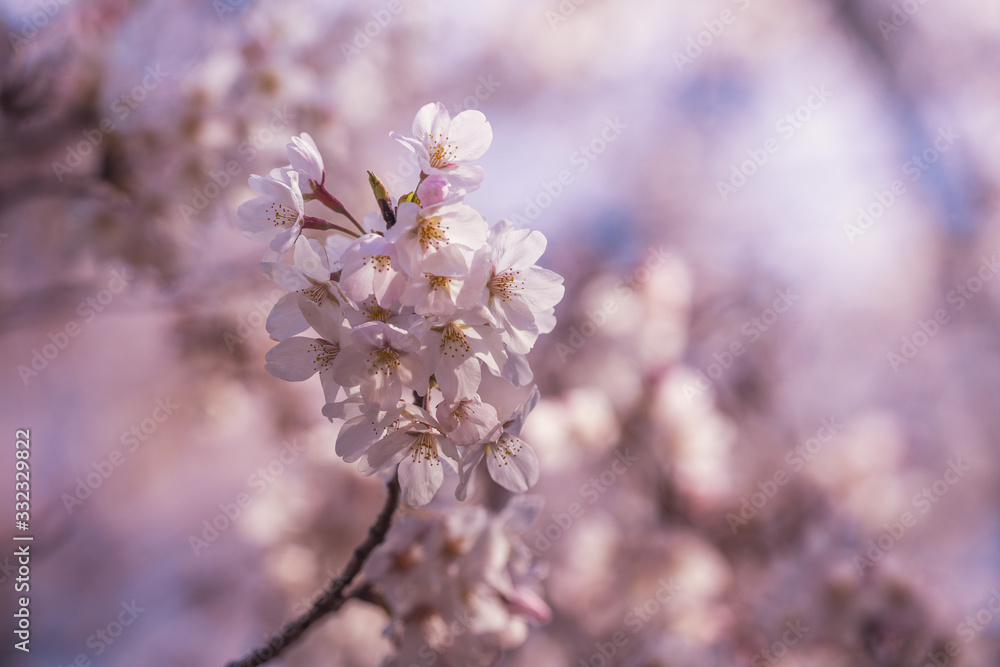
pixel 322 195
pixel 334 597
pixel 312 222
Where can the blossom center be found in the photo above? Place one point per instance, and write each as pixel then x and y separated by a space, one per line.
pixel 424 449
pixel 441 151
pixel 506 284
pixel 454 342
pixel 282 215
pixel 431 233
pixel 383 360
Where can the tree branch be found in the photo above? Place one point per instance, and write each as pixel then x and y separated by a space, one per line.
pixel 334 597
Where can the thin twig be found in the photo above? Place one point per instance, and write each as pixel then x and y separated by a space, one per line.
pixel 334 596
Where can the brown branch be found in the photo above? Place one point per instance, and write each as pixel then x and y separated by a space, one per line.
pixel 334 597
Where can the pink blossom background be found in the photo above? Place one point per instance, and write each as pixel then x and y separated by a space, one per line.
pixel 778 226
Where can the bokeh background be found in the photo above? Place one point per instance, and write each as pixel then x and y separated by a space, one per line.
pixel 778 225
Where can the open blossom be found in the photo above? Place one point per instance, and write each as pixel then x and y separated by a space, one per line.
pixel 456 349
pixel 382 359
pixel 511 462
pixel 306 160
pixel 421 232
pixel 308 278
pixel 420 447
pixel 519 295
pixel 447 283
pixel 275 218
pixel 299 358
pixel 370 268
pixel 443 145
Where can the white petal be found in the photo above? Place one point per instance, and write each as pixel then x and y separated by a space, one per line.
pixel 297 359
pixel 419 479
pixel 512 464
pixel 285 319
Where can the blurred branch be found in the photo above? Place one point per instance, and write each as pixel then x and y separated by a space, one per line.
pixel 334 597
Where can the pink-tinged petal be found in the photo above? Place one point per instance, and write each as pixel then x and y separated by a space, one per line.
pixel 517 370
pixel 512 464
pixel 461 381
pixel 355 437
pixel 541 289
pixel 419 479
pixel 285 319
pixel 464 178
pixel 325 318
pixel 432 118
pixel 467 469
pixel 285 276
pixel 349 369
pixel 433 190
pixel 471 134
pixel 389 450
pixel 297 359
pixel 305 158
pixel 516 248
pixel 311 259
pixel 528 603
pixel 382 390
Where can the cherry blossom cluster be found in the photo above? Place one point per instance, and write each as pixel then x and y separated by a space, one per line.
pixel 421 314
pixel 461 586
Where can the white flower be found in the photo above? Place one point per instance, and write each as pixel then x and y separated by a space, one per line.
pixel 382 359
pixel 309 278
pixel 420 232
pixel 370 268
pixel 454 350
pixel 446 284
pixel 363 425
pixel 443 145
pixel 417 445
pixel 275 218
pixel 511 462
pixel 305 159
pixel 468 420
pixel 298 358
pixel 519 295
